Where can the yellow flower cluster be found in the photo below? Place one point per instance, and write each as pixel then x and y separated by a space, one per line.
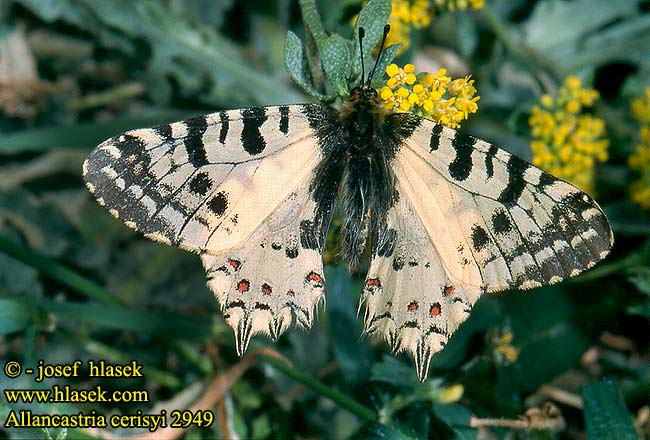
pixel 640 160
pixel 503 351
pixel 566 142
pixel 434 96
pixel 407 15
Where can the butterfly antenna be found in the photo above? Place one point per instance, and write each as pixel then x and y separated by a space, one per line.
pixel 362 33
pixel 381 50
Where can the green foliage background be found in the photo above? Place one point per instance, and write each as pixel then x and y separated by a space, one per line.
pixel 77 284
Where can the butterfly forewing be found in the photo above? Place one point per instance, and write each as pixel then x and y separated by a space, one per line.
pixel 206 183
pixel 542 228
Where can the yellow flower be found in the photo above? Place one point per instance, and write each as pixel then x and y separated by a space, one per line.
pixel 398 101
pixel 399 76
pixel 546 101
pixel 434 96
pixel 454 5
pixel 409 15
pixel 566 142
pixel 502 349
pixel 639 161
pixel 572 83
pixel 641 108
pixel 451 394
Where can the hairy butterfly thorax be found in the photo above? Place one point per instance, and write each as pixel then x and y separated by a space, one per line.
pixel 368 140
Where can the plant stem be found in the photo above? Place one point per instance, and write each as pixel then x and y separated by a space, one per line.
pixel 119 93
pixel 341 399
pixel 517 51
pixel 57 271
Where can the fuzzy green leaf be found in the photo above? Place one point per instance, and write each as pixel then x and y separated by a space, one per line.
pixel 372 18
pixel 313 22
pixel 606 415
pixel 296 64
pixel 335 57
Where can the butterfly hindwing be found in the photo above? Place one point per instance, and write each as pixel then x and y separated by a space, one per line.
pixel 276 275
pixel 409 296
pixel 235 187
pixel 470 218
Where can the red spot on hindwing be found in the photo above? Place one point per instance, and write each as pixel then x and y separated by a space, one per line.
pixel 266 289
pixel 235 264
pixel 373 282
pixel 435 310
pixel 313 276
pixel 291 293
pixel 412 307
pixel 448 290
pixel 243 286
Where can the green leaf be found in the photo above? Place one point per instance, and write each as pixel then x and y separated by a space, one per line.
pixel 547 28
pixel 313 23
pixel 373 17
pixel 457 418
pixel 600 30
pixel 83 136
pixel 640 277
pixel 391 370
pixel 176 41
pixel 14 316
pixel 354 356
pixel 296 64
pixel 56 271
pixel 606 415
pixel 639 309
pixel 556 350
pixel 376 431
pixel 335 56
pixel 415 419
pixel 112 316
pixel 627 218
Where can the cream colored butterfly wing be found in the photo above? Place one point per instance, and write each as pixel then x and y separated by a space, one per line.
pixel 471 218
pixel 233 186
pixel 204 184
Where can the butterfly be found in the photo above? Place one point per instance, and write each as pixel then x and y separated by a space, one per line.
pixel 446 217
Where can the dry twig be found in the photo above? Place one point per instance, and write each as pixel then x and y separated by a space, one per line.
pixel 548 417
